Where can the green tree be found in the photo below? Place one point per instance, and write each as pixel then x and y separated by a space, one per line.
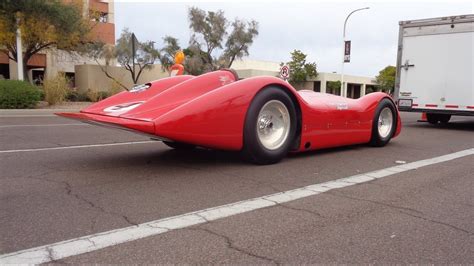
pixel 215 42
pixel 386 79
pixel 167 53
pixel 44 24
pixel 300 70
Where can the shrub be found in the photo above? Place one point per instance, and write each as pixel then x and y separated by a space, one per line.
pixel 55 89
pixel 75 96
pixel 95 95
pixel 16 94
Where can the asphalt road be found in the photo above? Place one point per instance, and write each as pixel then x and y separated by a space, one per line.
pixel 83 187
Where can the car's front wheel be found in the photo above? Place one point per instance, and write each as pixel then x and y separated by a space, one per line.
pixel 270 126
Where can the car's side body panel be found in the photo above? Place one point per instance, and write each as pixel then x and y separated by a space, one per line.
pixel 210 110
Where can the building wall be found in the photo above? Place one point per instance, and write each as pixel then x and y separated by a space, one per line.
pixel 92 77
pixel 53 61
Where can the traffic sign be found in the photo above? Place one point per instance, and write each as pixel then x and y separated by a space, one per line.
pixel 285 72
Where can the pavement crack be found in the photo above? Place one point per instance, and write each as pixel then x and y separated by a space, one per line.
pixel 438 222
pixel 93 205
pixel 231 245
pixel 202 217
pixel 407 211
pixel 51 256
pixel 296 209
pixel 376 202
pixel 126 218
pixel 91 241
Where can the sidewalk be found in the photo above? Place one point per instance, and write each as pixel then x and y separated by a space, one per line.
pixel 68 106
pixel 63 107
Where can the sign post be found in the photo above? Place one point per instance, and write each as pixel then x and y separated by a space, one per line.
pixel 285 72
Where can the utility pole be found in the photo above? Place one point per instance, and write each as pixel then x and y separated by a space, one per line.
pixel 19 49
pixel 344 47
pixel 133 56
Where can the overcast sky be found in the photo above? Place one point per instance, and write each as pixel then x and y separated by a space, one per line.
pixel 312 27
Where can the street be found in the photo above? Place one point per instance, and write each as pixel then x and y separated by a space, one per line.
pixel 62 180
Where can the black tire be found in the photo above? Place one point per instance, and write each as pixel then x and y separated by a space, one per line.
pixel 179 145
pixel 376 139
pixel 253 149
pixel 432 118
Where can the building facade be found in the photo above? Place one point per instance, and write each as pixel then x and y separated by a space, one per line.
pixel 354 86
pixel 51 61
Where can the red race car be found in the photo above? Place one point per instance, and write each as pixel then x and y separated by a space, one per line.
pixel 263 117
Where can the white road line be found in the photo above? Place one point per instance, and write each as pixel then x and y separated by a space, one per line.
pixel 81 245
pixel 45 125
pixel 12 116
pixel 79 146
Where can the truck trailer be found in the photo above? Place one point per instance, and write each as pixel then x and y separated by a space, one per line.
pixel 435 67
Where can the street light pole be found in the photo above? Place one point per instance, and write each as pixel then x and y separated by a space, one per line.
pixel 343 47
pixel 133 57
pixel 19 49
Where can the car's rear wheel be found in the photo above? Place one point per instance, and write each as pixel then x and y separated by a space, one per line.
pixel 384 123
pixel 270 126
pixel 179 145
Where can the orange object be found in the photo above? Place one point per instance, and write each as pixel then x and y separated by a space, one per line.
pixel 177 69
pixel 179 57
pixel 423 118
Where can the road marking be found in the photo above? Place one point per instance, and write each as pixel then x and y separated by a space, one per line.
pixel 81 245
pixel 46 125
pixel 11 116
pixel 79 146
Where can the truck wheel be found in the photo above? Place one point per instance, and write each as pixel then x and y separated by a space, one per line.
pixel 179 145
pixel 384 123
pixel 270 127
pixel 432 118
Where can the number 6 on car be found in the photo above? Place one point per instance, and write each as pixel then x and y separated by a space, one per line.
pixel 262 117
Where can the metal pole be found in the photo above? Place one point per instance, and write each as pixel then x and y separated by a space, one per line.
pixel 343 47
pixel 19 50
pixel 133 55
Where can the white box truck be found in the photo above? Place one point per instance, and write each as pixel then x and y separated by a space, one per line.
pixel 435 67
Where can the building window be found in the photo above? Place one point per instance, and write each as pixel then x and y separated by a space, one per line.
pixel 317 86
pixel 38 76
pixel 4 71
pixel 97 16
pixel 333 87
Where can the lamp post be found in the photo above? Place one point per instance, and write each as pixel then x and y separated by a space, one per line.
pixel 19 48
pixel 343 47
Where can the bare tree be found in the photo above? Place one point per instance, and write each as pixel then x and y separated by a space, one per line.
pixel 145 55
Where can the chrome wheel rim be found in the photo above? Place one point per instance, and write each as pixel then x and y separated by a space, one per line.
pixel 385 122
pixel 273 125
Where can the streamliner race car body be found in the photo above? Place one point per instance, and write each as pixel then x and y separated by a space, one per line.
pixel 263 117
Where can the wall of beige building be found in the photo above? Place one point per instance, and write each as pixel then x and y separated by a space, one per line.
pixel 251 68
pixel 91 77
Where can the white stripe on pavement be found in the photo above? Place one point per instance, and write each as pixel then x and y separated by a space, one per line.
pixel 79 146
pixel 11 116
pixel 81 245
pixel 46 125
